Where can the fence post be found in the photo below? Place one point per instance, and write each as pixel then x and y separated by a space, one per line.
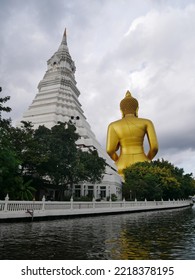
pixel 43 203
pixel 71 203
pixel 6 202
pixel 93 200
pixel 124 202
pixel 110 200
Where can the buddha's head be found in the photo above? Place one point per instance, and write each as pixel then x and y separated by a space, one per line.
pixel 129 105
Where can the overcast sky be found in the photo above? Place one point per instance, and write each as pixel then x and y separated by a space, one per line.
pixel 145 46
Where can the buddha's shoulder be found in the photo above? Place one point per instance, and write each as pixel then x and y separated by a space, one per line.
pixel 143 120
pixel 134 120
pixel 117 122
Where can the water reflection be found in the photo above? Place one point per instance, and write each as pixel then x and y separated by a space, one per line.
pixel 149 235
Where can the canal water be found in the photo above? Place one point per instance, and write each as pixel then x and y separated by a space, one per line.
pixel 159 235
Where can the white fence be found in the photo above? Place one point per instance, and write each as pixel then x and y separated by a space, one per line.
pixel 22 206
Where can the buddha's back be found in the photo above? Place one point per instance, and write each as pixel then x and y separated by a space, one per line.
pixel 128 134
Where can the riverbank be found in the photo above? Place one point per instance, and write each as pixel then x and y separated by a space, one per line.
pixel 16 211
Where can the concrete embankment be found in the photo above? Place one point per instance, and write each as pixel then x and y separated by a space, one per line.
pixel 45 210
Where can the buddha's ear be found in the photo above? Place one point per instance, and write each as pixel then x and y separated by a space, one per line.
pixel 136 112
pixel 123 115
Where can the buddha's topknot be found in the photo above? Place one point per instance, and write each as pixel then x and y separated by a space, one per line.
pixel 129 104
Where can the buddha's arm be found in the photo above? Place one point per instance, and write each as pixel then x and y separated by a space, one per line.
pixel 152 139
pixel 112 143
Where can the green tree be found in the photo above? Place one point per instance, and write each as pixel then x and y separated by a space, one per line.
pixel 186 181
pixel 60 153
pixel 9 172
pixel 141 182
pixel 9 162
pixel 91 166
pixel 22 139
pixel 4 122
pixel 12 163
pixel 156 180
pixel 65 164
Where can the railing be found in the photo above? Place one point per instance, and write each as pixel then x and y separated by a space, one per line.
pixel 21 206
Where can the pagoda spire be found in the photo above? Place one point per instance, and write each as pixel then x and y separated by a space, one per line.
pixel 64 38
pixel 63 45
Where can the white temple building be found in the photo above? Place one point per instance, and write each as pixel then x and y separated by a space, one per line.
pixel 57 100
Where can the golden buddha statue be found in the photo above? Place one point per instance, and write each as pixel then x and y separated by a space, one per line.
pixel 127 134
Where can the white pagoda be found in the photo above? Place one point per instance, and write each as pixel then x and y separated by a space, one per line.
pixel 57 100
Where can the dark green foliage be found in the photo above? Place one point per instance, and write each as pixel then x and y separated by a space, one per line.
pixel 91 166
pixel 9 162
pixel 157 180
pixel 9 175
pixel 4 122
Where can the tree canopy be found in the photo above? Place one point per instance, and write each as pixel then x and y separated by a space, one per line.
pixel 157 180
